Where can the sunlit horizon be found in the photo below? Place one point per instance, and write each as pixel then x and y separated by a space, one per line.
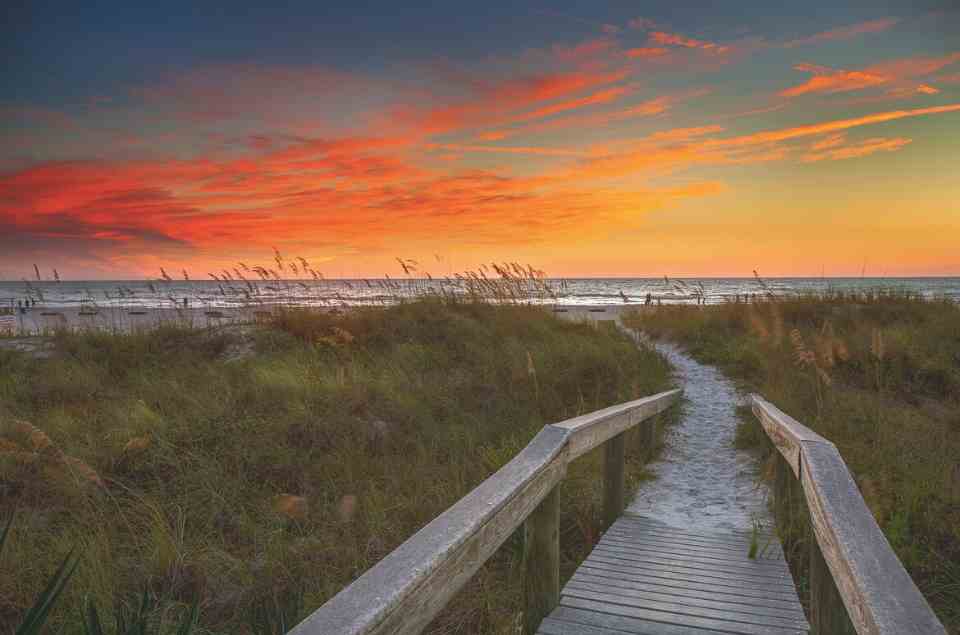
pixel 601 142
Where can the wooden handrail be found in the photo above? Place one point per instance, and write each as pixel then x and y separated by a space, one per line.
pixel 850 556
pixel 405 590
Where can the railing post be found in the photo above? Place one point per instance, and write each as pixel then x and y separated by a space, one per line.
pixel 828 615
pixel 648 437
pixel 782 505
pixel 613 465
pixel 541 561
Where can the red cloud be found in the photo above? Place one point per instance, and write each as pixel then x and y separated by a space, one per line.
pixel 499 102
pixel 846 32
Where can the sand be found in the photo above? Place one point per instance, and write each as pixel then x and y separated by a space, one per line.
pixel 39 321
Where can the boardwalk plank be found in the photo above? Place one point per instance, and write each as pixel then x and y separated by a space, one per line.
pixel 694 573
pixel 726 602
pixel 731 560
pixel 571 621
pixel 666 617
pixel 769 551
pixel 644 577
pixel 705 591
pixel 723 613
pixel 681 567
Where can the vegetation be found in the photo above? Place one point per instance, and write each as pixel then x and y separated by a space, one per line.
pixel 249 473
pixel 877 373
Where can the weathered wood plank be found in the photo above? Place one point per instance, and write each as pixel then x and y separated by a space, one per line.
pixel 668 534
pixel 724 613
pixel 668 579
pixel 648 438
pixel 716 603
pixel 751 569
pixel 732 561
pixel 590 430
pixel 404 591
pixel 566 620
pixel 785 432
pixel 878 594
pixel 723 578
pixel 720 550
pixel 613 480
pixel 638 520
pixel 541 562
pixel 877 591
pixel 666 617
pixel 783 602
pixel 827 612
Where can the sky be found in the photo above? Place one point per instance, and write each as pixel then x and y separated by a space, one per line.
pixel 585 139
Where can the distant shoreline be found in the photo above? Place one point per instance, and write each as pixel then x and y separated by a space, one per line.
pixel 43 320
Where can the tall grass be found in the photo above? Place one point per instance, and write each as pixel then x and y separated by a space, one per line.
pixel 877 373
pixel 263 482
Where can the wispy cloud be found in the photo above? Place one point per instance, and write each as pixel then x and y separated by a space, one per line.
pixel 896 76
pixel 671 151
pixel 836 148
pixel 845 32
pixel 663 38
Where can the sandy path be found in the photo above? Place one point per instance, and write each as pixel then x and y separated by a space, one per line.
pixel 703 481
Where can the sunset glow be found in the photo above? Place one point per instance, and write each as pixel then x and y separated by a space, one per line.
pixel 671 142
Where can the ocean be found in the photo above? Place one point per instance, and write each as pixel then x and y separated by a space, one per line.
pixel 572 291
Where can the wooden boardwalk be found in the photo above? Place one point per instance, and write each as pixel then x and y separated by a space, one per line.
pixel 646 577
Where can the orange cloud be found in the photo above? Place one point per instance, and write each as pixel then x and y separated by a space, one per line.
pixel 498 102
pixel 675 150
pixel 548 152
pixel 846 32
pixel 835 151
pixel 796 132
pixel 672 39
pixel 648 108
pixel 897 74
pixel 827 80
pixel 601 97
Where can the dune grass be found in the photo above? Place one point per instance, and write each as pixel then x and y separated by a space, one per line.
pixel 877 373
pixel 259 470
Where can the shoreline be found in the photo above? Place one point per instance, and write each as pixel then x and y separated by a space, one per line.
pixel 131 319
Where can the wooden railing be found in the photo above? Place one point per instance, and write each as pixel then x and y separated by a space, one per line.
pixel 404 592
pixel 857 584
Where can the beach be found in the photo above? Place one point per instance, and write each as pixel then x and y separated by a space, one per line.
pixel 120 319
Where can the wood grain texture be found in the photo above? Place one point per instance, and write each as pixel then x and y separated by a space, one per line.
pixel 635 582
pixel 785 432
pixel 827 612
pixel 877 592
pixel 541 562
pixel 614 457
pixel 590 430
